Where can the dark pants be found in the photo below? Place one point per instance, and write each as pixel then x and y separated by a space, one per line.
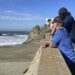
pixel 73 41
pixel 71 65
pixel 72 68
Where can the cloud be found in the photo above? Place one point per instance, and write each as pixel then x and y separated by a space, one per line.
pixel 13 15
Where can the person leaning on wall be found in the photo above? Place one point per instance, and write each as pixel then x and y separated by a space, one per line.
pixel 63 42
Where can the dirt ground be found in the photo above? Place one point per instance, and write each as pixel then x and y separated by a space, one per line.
pixel 14 60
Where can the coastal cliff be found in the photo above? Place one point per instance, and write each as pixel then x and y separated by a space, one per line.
pixel 37 32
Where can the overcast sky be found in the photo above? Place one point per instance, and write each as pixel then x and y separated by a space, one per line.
pixel 24 14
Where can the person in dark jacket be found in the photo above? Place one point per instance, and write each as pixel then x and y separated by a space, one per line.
pixel 68 22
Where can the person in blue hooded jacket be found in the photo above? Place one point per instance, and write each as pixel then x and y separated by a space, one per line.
pixel 62 40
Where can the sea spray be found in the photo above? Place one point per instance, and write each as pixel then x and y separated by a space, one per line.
pixel 12 40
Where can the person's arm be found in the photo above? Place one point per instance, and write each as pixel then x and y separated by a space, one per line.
pixel 50 43
pixel 68 21
pixel 55 39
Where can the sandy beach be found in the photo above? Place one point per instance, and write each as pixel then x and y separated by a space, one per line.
pixel 14 60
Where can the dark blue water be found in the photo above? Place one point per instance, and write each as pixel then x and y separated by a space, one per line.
pixel 14 32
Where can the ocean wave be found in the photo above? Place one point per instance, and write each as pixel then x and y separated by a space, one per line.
pixel 12 40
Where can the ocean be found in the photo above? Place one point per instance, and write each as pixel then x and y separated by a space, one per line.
pixel 12 38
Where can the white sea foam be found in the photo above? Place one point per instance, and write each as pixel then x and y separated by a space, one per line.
pixel 12 40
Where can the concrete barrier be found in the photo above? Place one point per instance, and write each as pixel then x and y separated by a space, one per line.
pixel 33 68
pixel 52 63
pixel 48 61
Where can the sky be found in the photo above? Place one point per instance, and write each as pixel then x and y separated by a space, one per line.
pixel 20 15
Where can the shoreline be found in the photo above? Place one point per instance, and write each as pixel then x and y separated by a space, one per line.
pixel 14 60
pixel 23 52
pixel 13 40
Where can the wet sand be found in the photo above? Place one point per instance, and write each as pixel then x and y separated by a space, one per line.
pixel 14 60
